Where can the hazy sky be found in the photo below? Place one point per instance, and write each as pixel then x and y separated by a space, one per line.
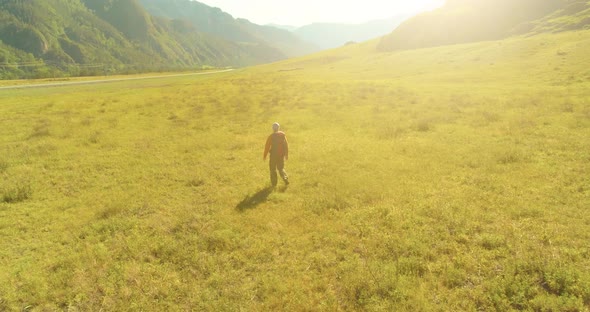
pixel 302 12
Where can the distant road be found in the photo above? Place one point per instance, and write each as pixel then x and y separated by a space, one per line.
pixel 71 83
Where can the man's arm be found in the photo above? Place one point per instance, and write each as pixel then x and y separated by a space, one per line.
pixel 286 149
pixel 266 148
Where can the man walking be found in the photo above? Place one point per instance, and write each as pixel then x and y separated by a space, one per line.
pixel 278 147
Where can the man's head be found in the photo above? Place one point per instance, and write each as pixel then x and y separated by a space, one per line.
pixel 276 127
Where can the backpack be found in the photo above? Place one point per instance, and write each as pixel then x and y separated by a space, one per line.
pixel 277 146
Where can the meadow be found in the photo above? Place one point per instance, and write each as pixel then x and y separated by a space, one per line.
pixel 444 179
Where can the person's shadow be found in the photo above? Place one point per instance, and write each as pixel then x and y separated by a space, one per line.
pixel 252 201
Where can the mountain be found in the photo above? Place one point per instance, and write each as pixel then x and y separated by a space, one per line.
pixel 333 35
pixel 285 27
pixel 574 16
pixel 463 21
pixel 49 38
pixel 215 22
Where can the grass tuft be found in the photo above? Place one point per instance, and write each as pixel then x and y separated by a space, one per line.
pixel 424 125
pixel 40 130
pixel 110 211
pixel 17 194
pixel 195 183
pixel 567 106
pixel 510 156
pixel 3 165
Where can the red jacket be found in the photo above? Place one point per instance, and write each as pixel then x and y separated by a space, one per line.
pixel 277 145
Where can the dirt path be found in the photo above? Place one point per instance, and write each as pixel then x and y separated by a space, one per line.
pixel 70 83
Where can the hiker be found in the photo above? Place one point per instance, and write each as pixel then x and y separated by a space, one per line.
pixel 278 147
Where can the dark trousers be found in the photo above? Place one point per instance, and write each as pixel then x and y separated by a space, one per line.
pixel 277 163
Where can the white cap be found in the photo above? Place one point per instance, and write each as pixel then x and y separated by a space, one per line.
pixel 276 126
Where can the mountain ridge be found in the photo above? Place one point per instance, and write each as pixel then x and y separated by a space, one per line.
pixel 55 38
pixel 333 35
pixel 464 21
pixel 216 22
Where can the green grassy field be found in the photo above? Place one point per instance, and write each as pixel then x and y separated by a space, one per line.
pixel 447 179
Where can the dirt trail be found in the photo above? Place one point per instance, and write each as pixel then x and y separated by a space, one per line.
pixel 70 83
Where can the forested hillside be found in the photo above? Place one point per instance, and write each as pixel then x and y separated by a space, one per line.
pixel 463 21
pixel 221 24
pixel 53 38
